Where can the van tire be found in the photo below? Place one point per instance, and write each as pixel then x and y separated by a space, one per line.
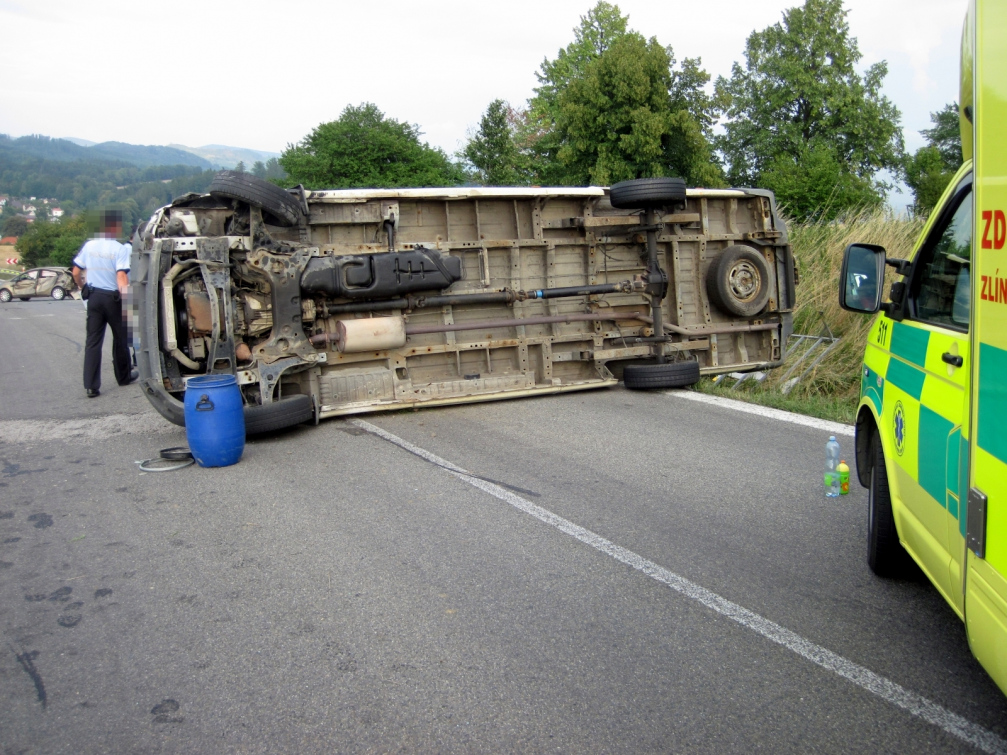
pixel 738 281
pixel 645 193
pixel 640 377
pixel 283 208
pixel 277 415
pixel 885 555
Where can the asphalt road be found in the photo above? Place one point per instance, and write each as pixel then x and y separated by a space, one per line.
pixel 602 578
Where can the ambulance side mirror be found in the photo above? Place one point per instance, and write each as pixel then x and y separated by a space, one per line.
pixel 862 278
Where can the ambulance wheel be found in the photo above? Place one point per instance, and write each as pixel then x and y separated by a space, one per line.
pixel 885 555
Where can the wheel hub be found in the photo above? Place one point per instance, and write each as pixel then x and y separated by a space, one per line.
pixel 744 280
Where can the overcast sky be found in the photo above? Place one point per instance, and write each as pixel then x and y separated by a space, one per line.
pixel 263 74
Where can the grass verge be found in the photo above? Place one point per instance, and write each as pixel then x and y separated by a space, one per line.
pixel 837 409
pixel 832 389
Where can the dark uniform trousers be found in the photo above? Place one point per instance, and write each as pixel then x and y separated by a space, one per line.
pixel 104 307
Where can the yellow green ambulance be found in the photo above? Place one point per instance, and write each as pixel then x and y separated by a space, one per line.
pixel 931 432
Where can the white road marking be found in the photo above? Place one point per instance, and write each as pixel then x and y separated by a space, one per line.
pixel 91 428
pixel 835 428
pixel 887 690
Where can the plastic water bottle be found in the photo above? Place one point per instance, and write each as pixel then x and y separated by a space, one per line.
pixel 844 478
pixel 832 467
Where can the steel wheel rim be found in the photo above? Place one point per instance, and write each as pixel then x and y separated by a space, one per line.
pixel 744 280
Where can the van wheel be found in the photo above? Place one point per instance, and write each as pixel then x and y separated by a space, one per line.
pixel 885 555
pixel 645 193
pixel 277 415
pixel 283 209
pixel 738 282
pixel 638 377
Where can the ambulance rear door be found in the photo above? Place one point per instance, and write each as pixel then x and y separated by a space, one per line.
pixel 986 514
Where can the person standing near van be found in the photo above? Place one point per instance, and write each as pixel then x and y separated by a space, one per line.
pixel 106 263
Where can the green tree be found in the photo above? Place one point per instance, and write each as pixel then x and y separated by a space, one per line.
pixel 627 116
pixel 929 170
pixel 259 169
pixel 946 135
pixel 365 149
pixel 52 243
pixel 815 185
pixel 799 94
pixel 240 167
pixel 274 171
pixel 536 134
pixel 14 225
pixel 73 233
pixel 597 32
pixel 927 176
pixel 492 151
pixel 612 105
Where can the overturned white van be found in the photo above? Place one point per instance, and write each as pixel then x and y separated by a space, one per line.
pixel 327 303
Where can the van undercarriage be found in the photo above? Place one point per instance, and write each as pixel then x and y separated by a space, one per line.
pixel 326 303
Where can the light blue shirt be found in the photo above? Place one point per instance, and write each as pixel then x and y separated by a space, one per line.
pixel 102 259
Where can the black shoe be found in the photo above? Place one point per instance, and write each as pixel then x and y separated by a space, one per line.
pixel 133 376
pixel 93 393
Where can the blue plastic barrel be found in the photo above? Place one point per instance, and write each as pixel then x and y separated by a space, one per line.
pixel 214 420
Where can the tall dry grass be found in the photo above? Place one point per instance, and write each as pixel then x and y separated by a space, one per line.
pixel 818 248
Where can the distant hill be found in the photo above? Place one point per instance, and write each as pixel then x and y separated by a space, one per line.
pixel 141 156
pixel 62 150
pixel 138 178
pixel 145 156
pixel 209 156
pixel 221 156
pixel 82 177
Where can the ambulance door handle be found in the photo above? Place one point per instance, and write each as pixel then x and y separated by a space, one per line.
pixel 953 359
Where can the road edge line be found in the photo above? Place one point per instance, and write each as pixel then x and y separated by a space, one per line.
pixel 835 428
pixel 880 686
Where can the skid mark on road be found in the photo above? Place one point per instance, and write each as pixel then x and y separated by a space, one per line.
pixel 878 685
pixel 66 338
pixel 27 662
pixel 835 428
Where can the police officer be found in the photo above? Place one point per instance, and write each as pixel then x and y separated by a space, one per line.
pixel 107 264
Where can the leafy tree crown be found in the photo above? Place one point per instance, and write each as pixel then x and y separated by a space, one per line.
pixel 799 94
pixel 363 148
pixel 493 152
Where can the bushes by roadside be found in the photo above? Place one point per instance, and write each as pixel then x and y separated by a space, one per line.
pixel 52 243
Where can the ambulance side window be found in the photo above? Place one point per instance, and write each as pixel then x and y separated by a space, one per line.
pixel 941 287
